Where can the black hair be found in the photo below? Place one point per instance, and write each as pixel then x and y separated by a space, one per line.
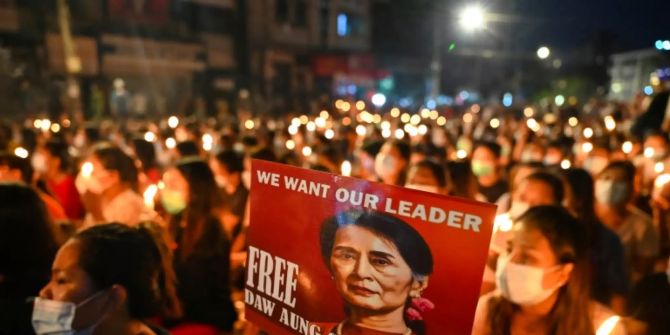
pixel 410 243
pixel 145 152
pixel 233 161
pixel 187 148
pixel 438 171
pixel 114 159
pixel 626 167
pixel 581 184
pixel 264 154
pixel 136 258
pixel 372 147
pixel 249 140
pixel 204 200
pixel 491 146
pixel 464 182
pixel 554 182
pixel 14 162
pixel 92 132
pixel 59 149
pixel 403 148
pixel 27 241
pixel 562 230
pixel 427 149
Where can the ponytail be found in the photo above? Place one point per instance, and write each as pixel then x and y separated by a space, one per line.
pixel 164 282
pixel 136 258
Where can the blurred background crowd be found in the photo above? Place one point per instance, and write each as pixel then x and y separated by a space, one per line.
pixel 188 180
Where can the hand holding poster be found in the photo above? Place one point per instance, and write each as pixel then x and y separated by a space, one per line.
pixel 337 255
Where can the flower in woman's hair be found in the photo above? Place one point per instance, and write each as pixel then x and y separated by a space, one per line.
pixel 422 304
pixel 413 315
pixel 417 307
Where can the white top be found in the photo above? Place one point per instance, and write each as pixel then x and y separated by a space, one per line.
pixel 638 234
pixel 128 207
pixel 600 315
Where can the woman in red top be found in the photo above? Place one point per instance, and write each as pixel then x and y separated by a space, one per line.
pixel 54 167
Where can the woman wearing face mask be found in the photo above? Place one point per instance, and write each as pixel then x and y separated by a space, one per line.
pixel 608 278
pixel 202 255
pixel 391 162
pixel 26 234
pixel 107 182
pixel 542 281
pixel 108 279
pixel 486 166
pixel 380 266
pixel 427 176
pixel 613 193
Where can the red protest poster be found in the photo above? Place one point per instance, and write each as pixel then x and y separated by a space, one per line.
pixel 337 255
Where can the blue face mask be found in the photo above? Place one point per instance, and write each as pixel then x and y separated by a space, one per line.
pixel 55 317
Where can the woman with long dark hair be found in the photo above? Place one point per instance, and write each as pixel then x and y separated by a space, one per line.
pixel 608 278
pixel 28 246
pixel 202 255
pixel 543 285
pixel 108 184
pixel 108 279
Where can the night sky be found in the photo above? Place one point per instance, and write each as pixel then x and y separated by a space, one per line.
pixel 635 23
pixel 405 26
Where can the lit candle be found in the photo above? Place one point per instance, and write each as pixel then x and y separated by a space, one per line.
pixel 503 223
pixel 346 168
pixel 608 326
pixel 21 152
pixel 87 170
pixel 150 195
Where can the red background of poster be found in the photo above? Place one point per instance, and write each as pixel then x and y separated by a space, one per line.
pixel 286 223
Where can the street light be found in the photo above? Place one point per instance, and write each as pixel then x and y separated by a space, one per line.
pixel 543 52
pixel 472 18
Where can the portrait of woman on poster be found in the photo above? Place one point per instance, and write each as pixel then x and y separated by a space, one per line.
pixel 380 266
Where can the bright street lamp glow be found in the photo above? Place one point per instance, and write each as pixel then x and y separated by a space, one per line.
pixel 378 99
pixel 472 18
pixel 543 52
pixel 173 122
pixel 559 100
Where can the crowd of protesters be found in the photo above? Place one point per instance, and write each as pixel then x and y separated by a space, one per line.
pixel 137 226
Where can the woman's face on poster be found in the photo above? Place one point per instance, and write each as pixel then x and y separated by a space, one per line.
pixel 369 271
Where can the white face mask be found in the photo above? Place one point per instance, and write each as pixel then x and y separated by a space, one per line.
pixel 610 192
pixel 522 284
pixel 530 156
pixel 55 317
pixel 552 160
pixel 595 165
pixel 517 209
pixel 385 165
pixel 79 140
pixel 220 181
pixel 246 179
pixel 425 188
pixel 90 184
